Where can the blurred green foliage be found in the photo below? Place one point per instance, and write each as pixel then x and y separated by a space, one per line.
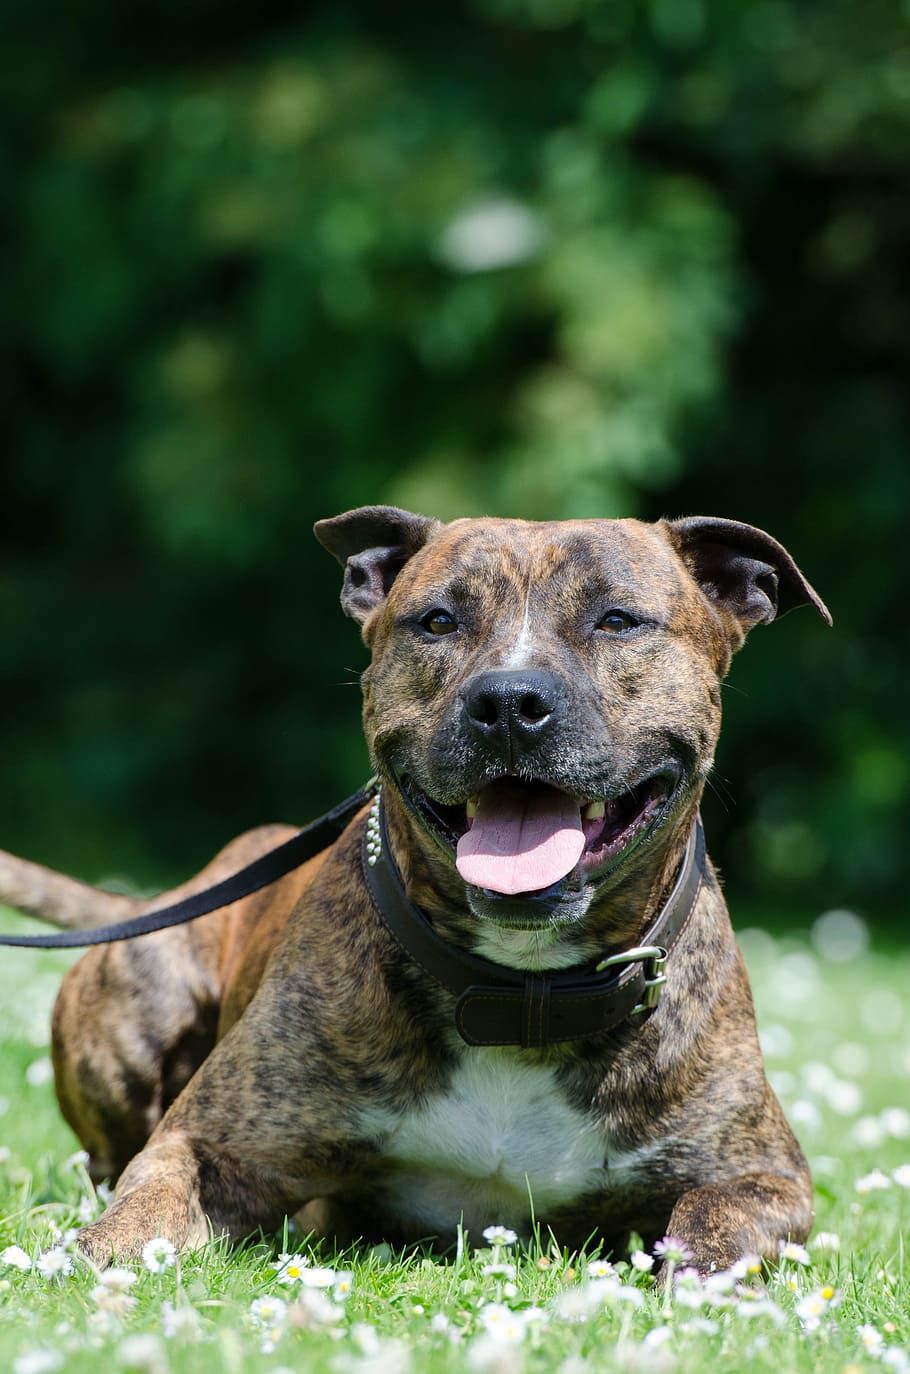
pixel 534 257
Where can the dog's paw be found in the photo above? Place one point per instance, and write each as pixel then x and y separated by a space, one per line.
pixel 96 1244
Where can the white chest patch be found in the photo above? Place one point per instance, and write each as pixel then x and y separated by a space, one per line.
pixel 502 1135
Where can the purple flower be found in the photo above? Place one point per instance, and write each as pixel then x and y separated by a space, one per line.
pixel 673 1250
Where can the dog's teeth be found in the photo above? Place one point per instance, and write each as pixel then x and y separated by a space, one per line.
pixel 471 807
pixel 594 811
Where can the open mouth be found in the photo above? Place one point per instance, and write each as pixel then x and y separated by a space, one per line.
pixel 517 837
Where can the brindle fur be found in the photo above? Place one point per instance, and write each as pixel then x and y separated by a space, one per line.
pixel 228 1072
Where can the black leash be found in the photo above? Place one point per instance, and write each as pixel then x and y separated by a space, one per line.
pixel 309 841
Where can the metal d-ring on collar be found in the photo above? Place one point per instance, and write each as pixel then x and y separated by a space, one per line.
pixel 654 958
pixel 496 1005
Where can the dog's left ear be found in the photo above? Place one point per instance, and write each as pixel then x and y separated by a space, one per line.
pixel 742 570
pixel 372 544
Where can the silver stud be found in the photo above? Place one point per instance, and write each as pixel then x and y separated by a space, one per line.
pixel 374 834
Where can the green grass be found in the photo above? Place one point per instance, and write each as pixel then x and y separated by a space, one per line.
pixel 838 1046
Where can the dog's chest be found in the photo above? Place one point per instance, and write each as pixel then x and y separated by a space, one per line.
pixel 503 1134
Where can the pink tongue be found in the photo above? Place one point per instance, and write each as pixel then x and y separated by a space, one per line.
pixel 521 839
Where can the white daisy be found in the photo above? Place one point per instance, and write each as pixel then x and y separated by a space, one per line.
pixel 719 1286
pixel 499 1235
pixel 142 1351
pixel 869 1132
pixel 871 1339
pixel 752 1304
pixel 16 1258
pixel 40 1071
pixel 576 1304
pixel 502 1324
pixel 158 1254
pixel 611 1290
pixel 289 1268
pixel 87 1210
pixel 114 1300
pixel 120 1279
pixel 873 1182
pixel 811 1308
pixel 342 1284
pixel 313 1308
pixel 498 1271
pixel 179 1319
pixel 268 1312
pixel 797 1254
pixel 37 1362
pixel 312 1277
pixel 54 1263
pixel 896 1122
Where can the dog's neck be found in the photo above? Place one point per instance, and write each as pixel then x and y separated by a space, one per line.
pixel 616 920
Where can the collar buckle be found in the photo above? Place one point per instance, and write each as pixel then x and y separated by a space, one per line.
pixel 654 960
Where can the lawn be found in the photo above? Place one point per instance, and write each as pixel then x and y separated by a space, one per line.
pixel 835 1022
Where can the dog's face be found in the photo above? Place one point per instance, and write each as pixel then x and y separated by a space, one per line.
pixel 545 697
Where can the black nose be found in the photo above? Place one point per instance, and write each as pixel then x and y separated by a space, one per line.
pixel 513 711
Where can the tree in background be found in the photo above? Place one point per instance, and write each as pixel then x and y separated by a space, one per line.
pixel 534 257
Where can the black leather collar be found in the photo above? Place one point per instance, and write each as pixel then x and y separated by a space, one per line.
pixel 501 1006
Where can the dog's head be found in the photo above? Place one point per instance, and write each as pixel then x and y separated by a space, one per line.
pixel 545 697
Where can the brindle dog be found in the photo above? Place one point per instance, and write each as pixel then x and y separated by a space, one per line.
pixel 553 689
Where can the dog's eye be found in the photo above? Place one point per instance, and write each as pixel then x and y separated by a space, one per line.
pixel 440 623
pixel 614 622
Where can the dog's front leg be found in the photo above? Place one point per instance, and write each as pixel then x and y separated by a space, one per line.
pixel 158 1195
pixel 240 1148
pixel 185 1190
pixel 749 1215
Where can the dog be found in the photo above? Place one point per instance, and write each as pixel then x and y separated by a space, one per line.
pixel 510 991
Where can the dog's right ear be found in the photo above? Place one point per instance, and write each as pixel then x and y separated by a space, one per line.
pixel 372 544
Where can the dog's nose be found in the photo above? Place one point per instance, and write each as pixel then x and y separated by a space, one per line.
pixel 513 711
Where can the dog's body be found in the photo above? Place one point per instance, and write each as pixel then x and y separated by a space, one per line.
pixel 542 706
